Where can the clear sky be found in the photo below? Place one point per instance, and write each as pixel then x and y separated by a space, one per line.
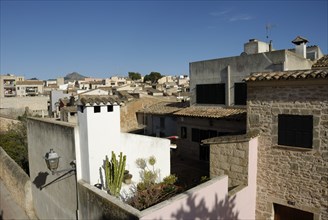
pixel 49 39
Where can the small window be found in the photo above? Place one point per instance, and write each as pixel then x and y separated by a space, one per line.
pixel 295 130
pixel 240 93
pixel 81 109
pixel 96 109
pixel 162 122
pixel 195 135
pixel 110 108
pixel 204 152
pixel 183 132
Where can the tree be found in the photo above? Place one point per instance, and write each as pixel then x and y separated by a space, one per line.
pixel 134 75
pixel 14 142
pixel 153 77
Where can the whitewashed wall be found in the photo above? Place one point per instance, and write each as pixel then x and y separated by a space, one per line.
pixel 99 135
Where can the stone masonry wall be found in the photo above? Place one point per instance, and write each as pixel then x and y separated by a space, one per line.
pixel 230 159
pixel 290 176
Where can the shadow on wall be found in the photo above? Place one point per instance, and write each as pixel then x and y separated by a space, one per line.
pixel 220 210
pixel 40 179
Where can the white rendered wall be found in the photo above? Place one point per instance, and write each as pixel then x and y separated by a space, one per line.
pixel 139 146
pixel 99 135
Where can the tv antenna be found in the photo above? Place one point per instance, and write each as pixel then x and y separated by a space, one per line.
pixel 268 28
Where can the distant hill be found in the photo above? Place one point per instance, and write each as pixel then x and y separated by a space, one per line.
pixel 74 76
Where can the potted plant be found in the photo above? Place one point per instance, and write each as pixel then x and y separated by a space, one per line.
pixel 127 177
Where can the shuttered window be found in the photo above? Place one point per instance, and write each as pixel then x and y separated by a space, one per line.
pixel 295 130
pixel 210 93
pixel 240 93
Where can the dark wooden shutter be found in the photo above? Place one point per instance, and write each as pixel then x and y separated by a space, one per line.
pixel 210 93
pixel 295 130
pixel 240 93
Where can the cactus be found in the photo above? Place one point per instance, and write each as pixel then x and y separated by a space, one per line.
pixel 114 172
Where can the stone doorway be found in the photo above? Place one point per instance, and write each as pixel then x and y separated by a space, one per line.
pixel 282 212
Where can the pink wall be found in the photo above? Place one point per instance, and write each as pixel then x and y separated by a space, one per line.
pixel 210 200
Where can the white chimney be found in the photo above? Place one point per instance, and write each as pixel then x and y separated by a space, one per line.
pixel 99 132
pixel 300 46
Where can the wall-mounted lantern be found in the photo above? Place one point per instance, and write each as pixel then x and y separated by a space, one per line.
pixel 52 161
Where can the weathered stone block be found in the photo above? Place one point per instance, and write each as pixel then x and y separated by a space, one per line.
pixel 239 153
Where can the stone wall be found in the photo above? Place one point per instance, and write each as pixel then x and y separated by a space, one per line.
pixel 5 123
pixel 129 120
pixel 229 156
pixel 17 182
pixel 290 176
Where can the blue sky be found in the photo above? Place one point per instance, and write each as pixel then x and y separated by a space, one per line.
pixel 49 39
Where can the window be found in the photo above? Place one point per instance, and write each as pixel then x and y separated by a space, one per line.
pixel 204 152
pixel 210 93
pixel 240 93
pixel 295 130
pixel 110 108
pixel 96 109
pixel 183 132
pixel 162 122
pixel 197 135
pixel 81 109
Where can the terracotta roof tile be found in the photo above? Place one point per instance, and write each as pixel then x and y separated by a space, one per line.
pixel 163 108
pixel 288 75
pixel 213 112
pixel 321 63
pixel 29 82
pixel 99 100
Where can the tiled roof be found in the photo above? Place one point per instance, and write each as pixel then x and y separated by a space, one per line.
pixel 289 75
pixel 99 100
pixel 70 108
pixel 321 63
pixel 163 108
pixel 29 82
pixel 213 112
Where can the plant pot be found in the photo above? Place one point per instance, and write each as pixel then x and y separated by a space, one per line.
pixel 127 178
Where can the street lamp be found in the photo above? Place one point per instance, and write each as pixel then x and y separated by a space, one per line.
pixel 52 161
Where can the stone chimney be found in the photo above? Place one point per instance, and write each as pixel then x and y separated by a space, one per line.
pixel 300 45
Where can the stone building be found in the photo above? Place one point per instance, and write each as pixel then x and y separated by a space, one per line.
pixel 290 110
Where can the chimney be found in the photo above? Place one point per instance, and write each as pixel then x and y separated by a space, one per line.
pixel 300 46
pixel 270 46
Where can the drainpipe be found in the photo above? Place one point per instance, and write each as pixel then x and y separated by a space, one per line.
pixel 228 95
